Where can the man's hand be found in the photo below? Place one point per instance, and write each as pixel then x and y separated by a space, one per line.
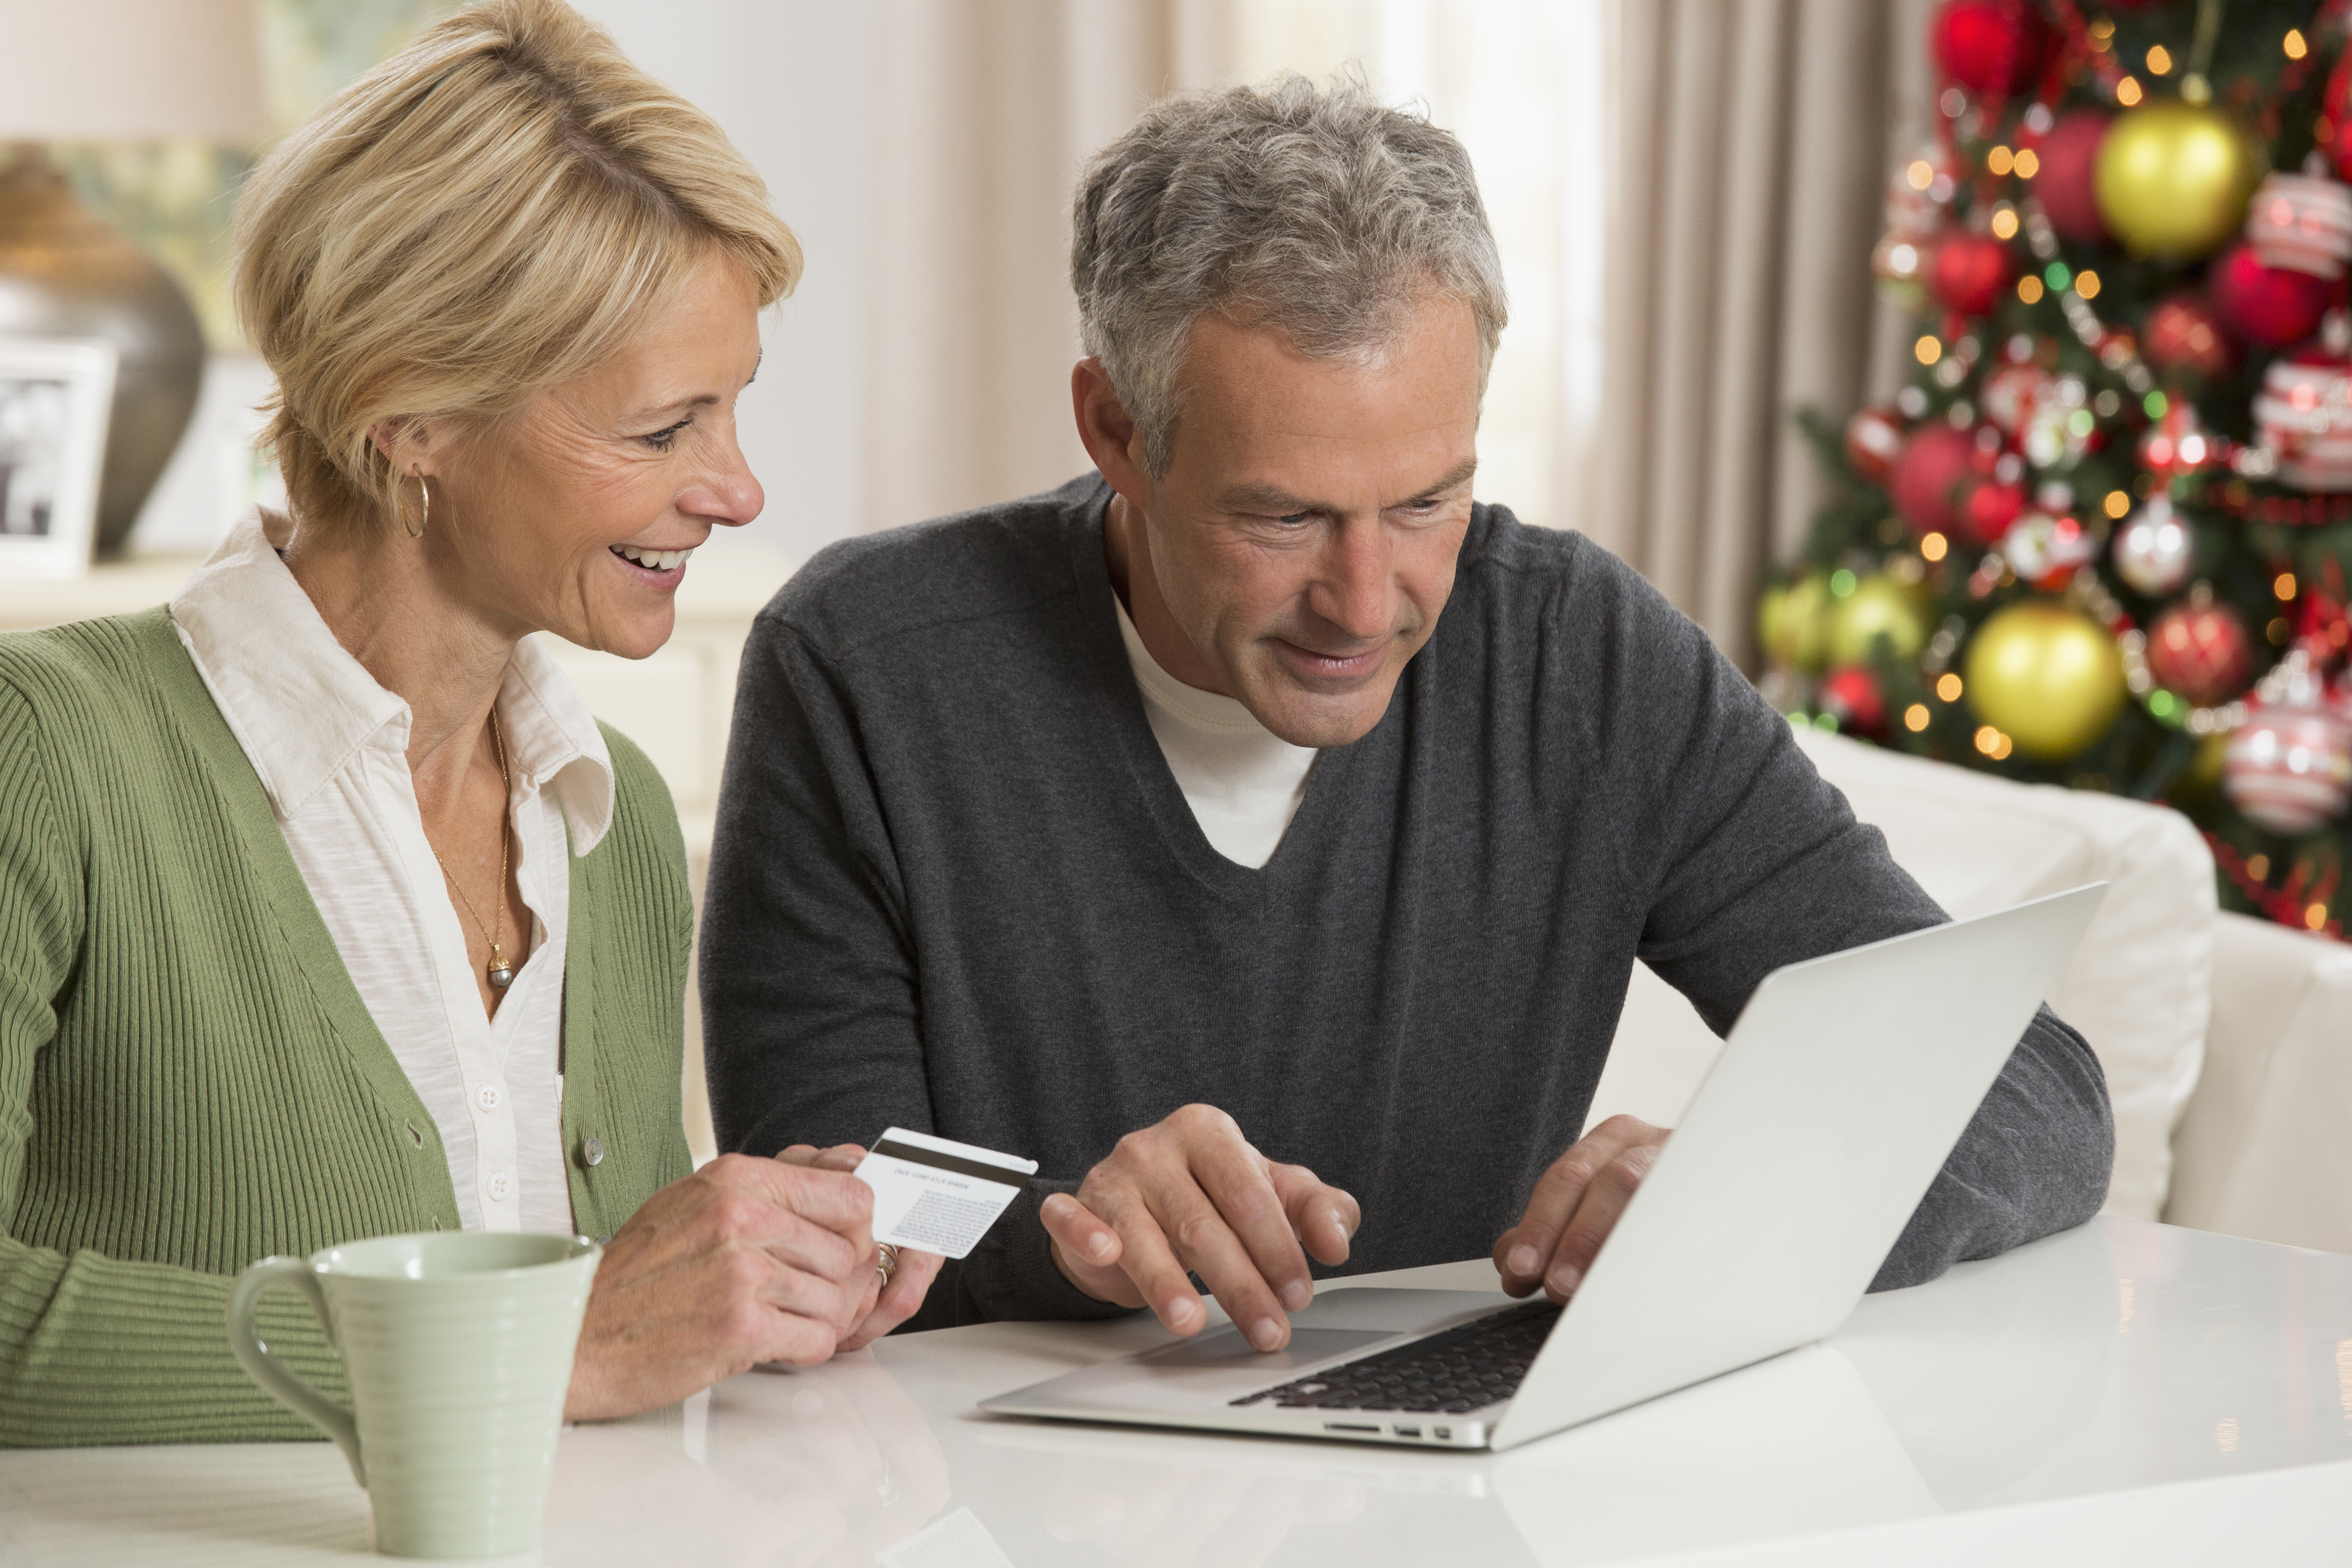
pixel 744 1261
pixel 893 1303
pixel 1191 1193
pixel 1575 1206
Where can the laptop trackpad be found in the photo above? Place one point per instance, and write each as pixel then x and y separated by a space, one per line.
pixel 1227 1352
pixel 1207 1373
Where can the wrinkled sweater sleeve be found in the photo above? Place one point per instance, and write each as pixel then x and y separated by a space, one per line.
pixel 812 1001
pixel 1748 859
pixel 96 1349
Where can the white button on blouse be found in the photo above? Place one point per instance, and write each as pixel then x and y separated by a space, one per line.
pixel 331 748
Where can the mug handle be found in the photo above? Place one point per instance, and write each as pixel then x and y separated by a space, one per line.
pixel 245 1341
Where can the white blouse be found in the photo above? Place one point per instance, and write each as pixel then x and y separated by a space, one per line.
pixel 330 747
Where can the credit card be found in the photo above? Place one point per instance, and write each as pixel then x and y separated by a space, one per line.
pixel 935 1194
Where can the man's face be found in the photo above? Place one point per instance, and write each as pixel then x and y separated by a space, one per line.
pixel 1305 534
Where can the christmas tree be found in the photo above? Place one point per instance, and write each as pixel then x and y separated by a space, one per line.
pixel 2104 539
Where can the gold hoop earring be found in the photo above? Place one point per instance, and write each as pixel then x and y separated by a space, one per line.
pixel 425 521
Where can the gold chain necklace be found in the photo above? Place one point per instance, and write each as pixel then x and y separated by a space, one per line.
pixel 500 973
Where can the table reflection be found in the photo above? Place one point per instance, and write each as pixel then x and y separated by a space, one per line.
pixel 1146 1515
pixel 1979 1411
pixel 823 1468
pixel 1788 1447
pixel 251 1505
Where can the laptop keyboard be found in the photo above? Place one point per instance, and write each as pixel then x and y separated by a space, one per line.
pixel 1464 1368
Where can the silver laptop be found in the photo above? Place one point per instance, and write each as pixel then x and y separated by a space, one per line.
pixel 1842 1088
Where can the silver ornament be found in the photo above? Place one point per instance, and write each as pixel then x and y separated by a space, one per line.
pixel 2154 552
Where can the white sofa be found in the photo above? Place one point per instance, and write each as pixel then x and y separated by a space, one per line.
pixel 2227 1041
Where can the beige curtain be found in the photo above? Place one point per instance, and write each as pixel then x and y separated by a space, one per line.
pixel 1753 139
pixel 1747 145
pixel 984 112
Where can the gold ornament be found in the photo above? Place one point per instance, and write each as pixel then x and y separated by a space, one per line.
pixel 1793 623
pixel 2173 179
pixel 2047 676
pixel 1879 608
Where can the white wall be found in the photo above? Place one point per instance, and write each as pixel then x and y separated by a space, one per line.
pixel 787 80
pixel 214 475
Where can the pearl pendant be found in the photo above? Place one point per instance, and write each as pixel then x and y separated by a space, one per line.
pixel 501 975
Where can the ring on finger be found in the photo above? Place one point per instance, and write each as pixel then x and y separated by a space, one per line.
pixel 886 1262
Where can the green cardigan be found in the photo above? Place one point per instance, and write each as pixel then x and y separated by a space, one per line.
pixel 188 1078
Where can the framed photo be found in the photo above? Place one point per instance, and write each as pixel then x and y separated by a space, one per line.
pixel 55 395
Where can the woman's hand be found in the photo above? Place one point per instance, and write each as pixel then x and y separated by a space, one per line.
pixel 893 1304
pixel 747 1260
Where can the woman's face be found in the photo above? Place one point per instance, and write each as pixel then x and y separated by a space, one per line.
pixel 576 515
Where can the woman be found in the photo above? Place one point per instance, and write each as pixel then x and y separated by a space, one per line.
pixel 326 910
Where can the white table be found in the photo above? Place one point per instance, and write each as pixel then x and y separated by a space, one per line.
pixel 2126 1392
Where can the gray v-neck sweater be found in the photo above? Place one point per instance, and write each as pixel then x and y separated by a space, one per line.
pixel 955 888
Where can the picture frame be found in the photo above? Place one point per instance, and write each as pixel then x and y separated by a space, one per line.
pixel 56 395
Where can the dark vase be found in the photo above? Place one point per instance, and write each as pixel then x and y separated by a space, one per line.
pixel 66 273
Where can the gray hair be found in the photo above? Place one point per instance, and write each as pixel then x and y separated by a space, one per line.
pixel 1321 212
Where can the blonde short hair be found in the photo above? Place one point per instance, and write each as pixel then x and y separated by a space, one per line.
pixel 500 207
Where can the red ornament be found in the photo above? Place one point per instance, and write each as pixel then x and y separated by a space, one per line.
pixel 1873 440
pixel 2267 305
pixel 2335 103
pixel 1852 696
pixel 2177 443
pixel 2289 765
pixel 1990 508
pixel 2202 650
pixel 1970 272
pixel 1992 47
pixel 2303 224
pixel 2010 393
pixel 2185 337
pixel 2065 186
pixel 2303 415
pixel 1927 478
pixel 2048 550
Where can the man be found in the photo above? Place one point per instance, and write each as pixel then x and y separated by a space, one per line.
pixel 1259 834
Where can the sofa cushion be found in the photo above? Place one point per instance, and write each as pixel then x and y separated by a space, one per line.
pixel 2262 1147
pixel 2138 987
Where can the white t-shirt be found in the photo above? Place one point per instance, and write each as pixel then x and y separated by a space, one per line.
pixel 330 747
pixel 1242 781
